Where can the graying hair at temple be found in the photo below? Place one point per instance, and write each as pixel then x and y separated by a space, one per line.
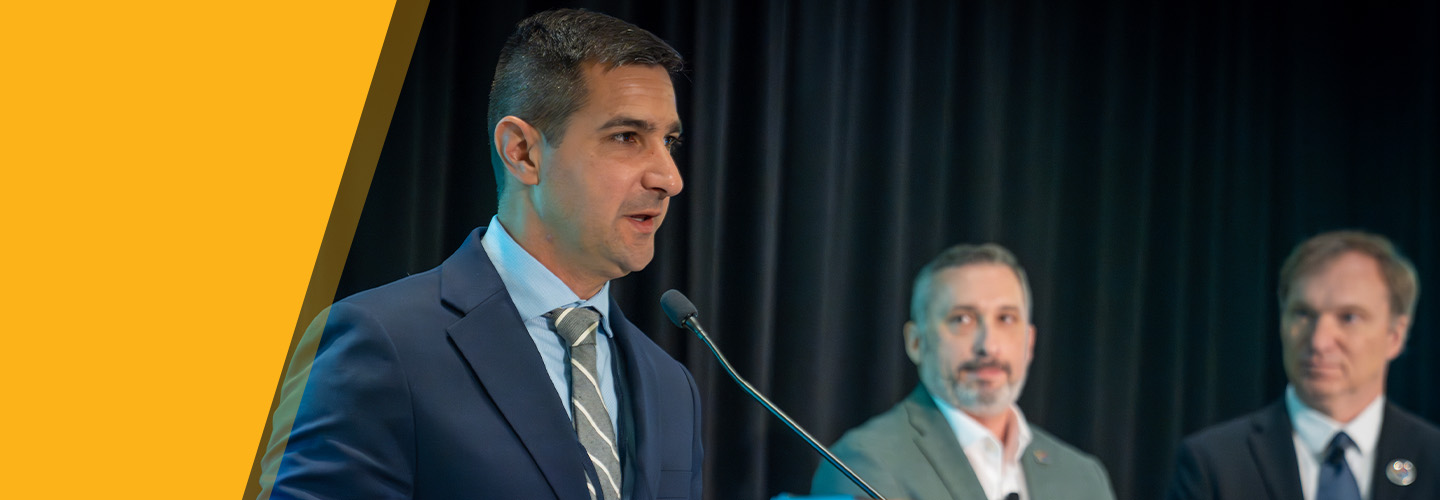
pixel 959 256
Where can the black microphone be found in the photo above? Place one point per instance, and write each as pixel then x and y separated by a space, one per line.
pixel 684 315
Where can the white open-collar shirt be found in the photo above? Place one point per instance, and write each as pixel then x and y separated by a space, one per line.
pixel 996 465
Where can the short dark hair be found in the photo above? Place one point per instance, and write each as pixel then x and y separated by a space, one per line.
pixel 960 256
pixel 1399 274
pixel 540 77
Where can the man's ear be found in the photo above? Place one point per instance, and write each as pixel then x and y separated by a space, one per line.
pixel 1030 343
pixel 1396 336
pixel 519 146
pixel 912 342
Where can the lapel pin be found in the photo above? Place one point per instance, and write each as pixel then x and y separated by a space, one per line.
pixel 1043 458
pixel 1401 472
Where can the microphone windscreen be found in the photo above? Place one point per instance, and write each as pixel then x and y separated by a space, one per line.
pixel 677 307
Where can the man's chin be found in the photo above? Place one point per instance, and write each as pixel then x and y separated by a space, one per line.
pixel 638 260
pixel 1314 390
pixel 990 409
pixel 630 256
pixel 986 402
pixel 629 267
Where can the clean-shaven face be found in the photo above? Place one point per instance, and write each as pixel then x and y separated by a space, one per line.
pixel 605 188
pixel 1339 333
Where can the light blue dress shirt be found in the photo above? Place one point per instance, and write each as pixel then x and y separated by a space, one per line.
pixel 536 291
pixel 1312 431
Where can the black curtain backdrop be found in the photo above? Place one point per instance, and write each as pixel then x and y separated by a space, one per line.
pixel 1151 163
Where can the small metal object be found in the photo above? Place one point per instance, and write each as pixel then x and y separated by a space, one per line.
pixel 1401 472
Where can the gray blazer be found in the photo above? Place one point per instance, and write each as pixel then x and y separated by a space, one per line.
pixel 911 452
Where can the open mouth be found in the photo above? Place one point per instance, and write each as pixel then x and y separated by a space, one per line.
pixel 641 217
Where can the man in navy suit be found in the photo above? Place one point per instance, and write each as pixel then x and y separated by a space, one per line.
pixel 1346 301
pixel 455 382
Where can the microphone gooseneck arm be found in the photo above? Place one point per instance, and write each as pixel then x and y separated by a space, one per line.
pixel 693 325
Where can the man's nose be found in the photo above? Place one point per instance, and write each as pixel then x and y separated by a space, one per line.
pixel 1322 333
pixel 983 347
pixel 663 176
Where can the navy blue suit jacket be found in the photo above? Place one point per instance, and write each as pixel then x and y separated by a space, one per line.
pixel 1253 457
pixel 431 387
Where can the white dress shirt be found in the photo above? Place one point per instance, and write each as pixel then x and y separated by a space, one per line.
pixel 1313 432
pixel 996 465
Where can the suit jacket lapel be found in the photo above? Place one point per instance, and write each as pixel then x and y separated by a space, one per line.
pixel 496 345
pixel 937 442
pixel 1273 448
pixel 639 374
pixel 1394 445
pixel 1037 472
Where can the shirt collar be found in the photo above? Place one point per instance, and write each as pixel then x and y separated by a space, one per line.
pixel 532 287
pixel 1316 430
pixel 968 431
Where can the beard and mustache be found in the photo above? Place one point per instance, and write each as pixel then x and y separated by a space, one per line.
pixel 963 389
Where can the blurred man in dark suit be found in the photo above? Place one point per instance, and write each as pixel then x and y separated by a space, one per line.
pixel 1346 303
pixel 508 371
pixel 959 435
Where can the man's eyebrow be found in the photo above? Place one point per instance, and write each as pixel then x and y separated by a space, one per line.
pixel 971 308
pixel 636 123
pixel 1298 306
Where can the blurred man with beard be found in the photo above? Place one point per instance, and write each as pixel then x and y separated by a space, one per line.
pixel 960 435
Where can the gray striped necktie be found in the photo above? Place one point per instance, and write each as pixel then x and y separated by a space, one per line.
pixel 577 325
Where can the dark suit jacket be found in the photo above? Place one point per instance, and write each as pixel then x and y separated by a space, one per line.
pixel 1253 457
pixel 430 387
pixel 911 452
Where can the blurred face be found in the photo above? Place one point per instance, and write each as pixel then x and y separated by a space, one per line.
pixel 604 189
pixel 974 345
pixel 1339 333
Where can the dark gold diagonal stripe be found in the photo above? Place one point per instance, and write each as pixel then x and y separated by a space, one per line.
pixel 375 118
